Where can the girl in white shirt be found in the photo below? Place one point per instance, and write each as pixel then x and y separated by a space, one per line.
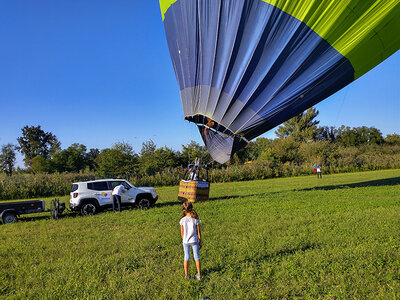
pixel 191 237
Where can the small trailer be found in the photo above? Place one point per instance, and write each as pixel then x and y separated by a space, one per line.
pixel 9 211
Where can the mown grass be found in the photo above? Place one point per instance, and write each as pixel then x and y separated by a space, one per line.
pixel 338 237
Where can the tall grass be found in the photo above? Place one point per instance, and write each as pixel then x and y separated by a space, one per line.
pixel 38 185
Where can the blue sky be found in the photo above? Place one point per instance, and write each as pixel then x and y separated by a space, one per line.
pixel 99 72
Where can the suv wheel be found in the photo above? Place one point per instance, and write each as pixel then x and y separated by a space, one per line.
pixel 9 217
pixel 88 209
pixel 143 203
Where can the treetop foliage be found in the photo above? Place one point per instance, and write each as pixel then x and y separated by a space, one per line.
pixel 34 141
pixel 302 128
pixel 7 159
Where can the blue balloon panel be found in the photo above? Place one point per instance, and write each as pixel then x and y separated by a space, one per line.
pixel 244 67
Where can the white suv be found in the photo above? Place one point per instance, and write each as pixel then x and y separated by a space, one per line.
pixel 89 197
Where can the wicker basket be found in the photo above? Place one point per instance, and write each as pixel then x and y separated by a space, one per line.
pixel 193 190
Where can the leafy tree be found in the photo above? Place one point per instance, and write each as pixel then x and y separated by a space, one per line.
pixel 91 158
pixel 119 161
pixel 148 148
pixel 322 152
pixel 243 155
pixel 161 158
pixel 154 160
pixel 374 136
pixel 167 158
pixel 193 150
pixel 285 150
pixel 347 137
pixel 302 128
pixel 34 141
pixel 256 148
pixel 327 133
pixel 7 158
pixel 393 139
pixel 76 158
pixel 39 164
pixel 72 159
pixel 146 155
pixel 359 135
pixel 267 155
pixel 278 150
pixel 236 160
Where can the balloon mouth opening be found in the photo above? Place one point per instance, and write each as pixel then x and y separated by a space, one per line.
pixel 221 142
pixel 209 124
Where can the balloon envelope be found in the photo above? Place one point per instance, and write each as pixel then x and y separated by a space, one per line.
pixel 246 66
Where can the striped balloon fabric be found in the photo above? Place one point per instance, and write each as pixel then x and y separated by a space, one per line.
pixel 246 66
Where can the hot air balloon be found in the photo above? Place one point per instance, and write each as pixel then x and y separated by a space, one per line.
pixel 246 66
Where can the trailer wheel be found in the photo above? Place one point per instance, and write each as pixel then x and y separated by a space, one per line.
pixel 89 209
pixel 9 217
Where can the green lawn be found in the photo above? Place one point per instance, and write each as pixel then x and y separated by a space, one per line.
pixel 336 237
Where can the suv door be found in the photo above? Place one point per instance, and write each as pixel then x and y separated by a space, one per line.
pixel 101 190
pixel 129 196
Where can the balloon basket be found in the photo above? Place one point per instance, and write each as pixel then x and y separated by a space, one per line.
pixel 193 190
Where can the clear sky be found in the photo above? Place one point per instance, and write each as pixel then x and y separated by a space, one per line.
pixel 99 72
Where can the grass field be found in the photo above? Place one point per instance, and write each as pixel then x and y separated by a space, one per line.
pixel 337 237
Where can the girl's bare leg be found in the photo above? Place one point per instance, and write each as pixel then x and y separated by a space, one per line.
pixel 186 267
pixel 198 267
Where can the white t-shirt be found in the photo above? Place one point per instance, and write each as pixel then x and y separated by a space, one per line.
pixel 189 230
pixel 319 169
pixel 118 190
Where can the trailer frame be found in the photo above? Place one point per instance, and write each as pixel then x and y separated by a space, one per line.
pixel 10 211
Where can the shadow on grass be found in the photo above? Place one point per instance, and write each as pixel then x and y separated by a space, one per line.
pixel 244 196
pixel 229 197
pixel 378 182
pixel 259 259
pixel 177 202
pixel 167 204
pixel 70 214
pixel 30 218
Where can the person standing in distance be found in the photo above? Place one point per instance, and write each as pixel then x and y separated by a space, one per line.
pixel 116 194
pixel 319 173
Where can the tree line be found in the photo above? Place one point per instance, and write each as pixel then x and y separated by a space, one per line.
pixel 299 140
pixel 42 153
